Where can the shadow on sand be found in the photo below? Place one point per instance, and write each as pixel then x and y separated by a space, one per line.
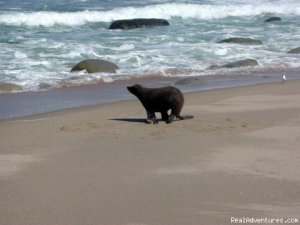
pixel 143 120
pixel 131 120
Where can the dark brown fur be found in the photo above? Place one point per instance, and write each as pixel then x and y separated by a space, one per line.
pixel 159 100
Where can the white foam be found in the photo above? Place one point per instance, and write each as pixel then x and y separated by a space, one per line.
pixel 20 55
pixel 72 54
pixel 180 39
pixel 107 79
pixel 166 11
pixel 125 47
pixel 221 51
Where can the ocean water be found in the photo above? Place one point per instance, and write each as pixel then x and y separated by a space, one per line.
pixel 40 40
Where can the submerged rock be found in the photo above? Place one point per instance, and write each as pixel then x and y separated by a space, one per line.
pixel 196 80
pixel 243 41
pixel 9 87
pixel 95 66
pixel 294 51
pixel 237 64
pixel 138 23
pixel 273 19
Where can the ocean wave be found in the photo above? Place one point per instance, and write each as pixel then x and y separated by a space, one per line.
pixel 165 11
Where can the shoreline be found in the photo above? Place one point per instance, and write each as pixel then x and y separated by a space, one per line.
pixel 23 104
pixel 103 165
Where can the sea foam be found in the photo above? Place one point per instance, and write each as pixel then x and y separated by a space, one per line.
pixel 166 11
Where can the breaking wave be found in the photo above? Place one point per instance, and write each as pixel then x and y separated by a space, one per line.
pixel 165 11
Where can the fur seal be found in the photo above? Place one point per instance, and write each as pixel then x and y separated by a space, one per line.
pixel 160 100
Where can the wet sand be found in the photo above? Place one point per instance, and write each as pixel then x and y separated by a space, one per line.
pixel 16 105
pixel 239 157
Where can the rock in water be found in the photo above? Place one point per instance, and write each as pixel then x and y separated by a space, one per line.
pixel 243 41
pixel 241 63
pixel 8 87
pixel 294 51
pixel 95 66
pixel 273 19
pixel 237 64
pixel 138 23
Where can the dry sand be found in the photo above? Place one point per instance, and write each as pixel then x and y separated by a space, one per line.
pixel 102 165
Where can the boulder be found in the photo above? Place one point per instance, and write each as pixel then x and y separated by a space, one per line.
pixel 273 19
pixel 95 66
pixel 237 64
pixel 294 51
pixel 9 87
pixel 138 23
pixel 195 80
pixel 241 63
pixel 243 41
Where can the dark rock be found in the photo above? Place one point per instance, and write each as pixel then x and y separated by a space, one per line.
pixel 241 63
pixel 243 41
pixel 138 23
pixel 95 66
pixel 196 80
pixel 273 19
pixel 294 51
pixel 237 64
pixel 8 87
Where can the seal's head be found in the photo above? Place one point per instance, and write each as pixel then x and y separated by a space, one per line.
pixel 135 89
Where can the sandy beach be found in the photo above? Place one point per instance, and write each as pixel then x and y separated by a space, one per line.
pixel 239 157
